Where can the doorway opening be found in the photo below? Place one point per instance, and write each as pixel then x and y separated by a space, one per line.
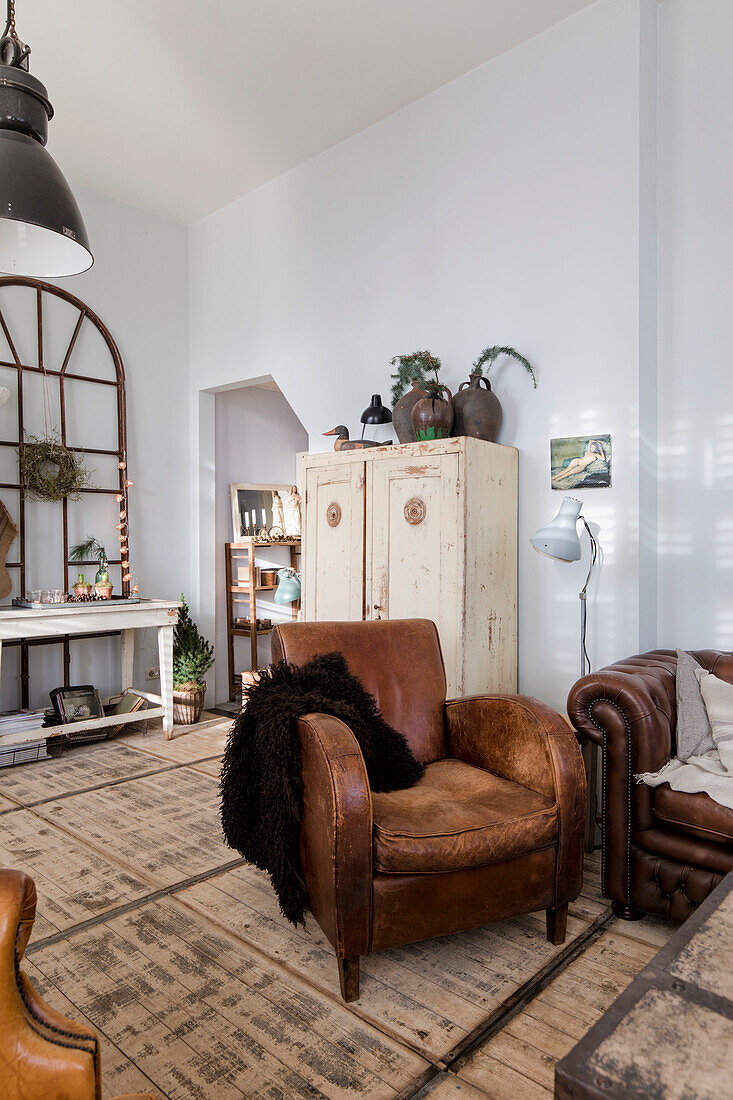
pixel 257 438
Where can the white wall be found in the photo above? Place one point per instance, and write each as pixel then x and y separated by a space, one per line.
pixel 502 208
pixel 696 325
pixel 257 437
pixel 139 287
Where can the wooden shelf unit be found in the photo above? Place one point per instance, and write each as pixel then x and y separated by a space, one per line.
pixel 243 552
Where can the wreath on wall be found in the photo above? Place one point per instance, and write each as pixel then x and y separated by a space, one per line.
pixel 50 470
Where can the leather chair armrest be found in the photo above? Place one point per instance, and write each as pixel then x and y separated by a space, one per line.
pixel 628 709
pixel 336 833
pixel 38 1045
pixel 521 739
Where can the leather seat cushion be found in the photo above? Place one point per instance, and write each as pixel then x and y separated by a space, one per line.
pixel 458 817
pixel 697 814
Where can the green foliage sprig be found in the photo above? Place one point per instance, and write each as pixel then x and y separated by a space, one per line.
pixel 413 368
pixel 85 551
pixel 193 656
pixel 490 355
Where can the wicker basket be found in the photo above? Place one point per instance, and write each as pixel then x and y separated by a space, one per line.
pixel 188 705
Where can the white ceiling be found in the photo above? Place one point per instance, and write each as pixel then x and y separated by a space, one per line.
pixel 181 108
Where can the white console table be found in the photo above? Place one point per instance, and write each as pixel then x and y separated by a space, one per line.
pixel 96 618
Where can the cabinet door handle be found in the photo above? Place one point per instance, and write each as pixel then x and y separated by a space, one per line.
pixel 378 608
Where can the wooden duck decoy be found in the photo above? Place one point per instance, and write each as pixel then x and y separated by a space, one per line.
pixel 343 443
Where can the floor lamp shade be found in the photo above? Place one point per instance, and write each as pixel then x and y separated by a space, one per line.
pixel 42 232
pixel 560 539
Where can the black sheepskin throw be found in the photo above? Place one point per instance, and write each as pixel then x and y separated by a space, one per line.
pixel 261 789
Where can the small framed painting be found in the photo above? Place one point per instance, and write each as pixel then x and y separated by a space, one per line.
pixel 580 462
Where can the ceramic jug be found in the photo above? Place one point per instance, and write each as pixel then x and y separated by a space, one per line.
pixel 476 412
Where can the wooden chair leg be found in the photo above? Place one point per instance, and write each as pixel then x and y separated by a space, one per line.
pixel 349 978
pixel 557 923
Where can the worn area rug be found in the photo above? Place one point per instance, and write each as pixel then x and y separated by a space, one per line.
pixel 153 931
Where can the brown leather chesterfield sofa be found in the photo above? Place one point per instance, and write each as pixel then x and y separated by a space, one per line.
pixel 493 829
pixel 663 851
pixel 43 1055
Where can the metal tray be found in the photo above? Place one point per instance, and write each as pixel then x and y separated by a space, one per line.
pixel 114 602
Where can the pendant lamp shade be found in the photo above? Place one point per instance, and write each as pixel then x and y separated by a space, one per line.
pixel 42 232
pixel 560 539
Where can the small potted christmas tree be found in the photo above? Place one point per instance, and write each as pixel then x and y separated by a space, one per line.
pixel 193 656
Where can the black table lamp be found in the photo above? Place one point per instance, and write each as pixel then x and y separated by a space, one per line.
pixel 376 413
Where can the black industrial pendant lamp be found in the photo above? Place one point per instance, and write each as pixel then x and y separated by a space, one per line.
pixel 42 233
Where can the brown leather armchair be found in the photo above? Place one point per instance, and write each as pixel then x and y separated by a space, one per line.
pixel 43 1055
pixel 663 851
pixel 492 830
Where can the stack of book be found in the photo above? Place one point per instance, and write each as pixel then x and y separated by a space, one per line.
pixel 22 738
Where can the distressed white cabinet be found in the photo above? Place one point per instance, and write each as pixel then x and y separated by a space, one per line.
pixel 422 530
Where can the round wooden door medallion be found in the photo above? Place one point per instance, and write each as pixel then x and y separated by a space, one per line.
pixel 415 511
pixel 333 514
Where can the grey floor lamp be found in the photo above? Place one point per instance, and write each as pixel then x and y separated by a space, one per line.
pixel 560 540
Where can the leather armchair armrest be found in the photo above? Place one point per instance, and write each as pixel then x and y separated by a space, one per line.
pixel 336 833
pixel 628 709
pixel 522 740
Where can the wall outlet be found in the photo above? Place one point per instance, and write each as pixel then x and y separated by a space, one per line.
pixel 152 673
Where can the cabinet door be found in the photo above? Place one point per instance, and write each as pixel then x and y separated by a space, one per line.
pixel 416 539
pixel 333 582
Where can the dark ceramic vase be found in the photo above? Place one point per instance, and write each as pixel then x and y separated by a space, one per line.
pixel 402 413
pixel 476 412
pixel 432 417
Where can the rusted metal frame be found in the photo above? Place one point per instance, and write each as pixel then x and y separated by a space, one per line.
pixel 24 674
pixel 72 342
pixel 11 345
pixel 56 373
pixel 110 561
pixel 121 452
pixel 108 491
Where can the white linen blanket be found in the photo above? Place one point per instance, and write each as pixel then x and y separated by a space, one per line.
pixel 713 771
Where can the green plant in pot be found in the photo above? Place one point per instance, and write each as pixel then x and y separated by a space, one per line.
pixel 477 411
pixel 84 553
pixel 432 415
pixel 409 385
pixel 193 656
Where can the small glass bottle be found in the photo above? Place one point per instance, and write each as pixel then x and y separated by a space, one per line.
pixel 102 574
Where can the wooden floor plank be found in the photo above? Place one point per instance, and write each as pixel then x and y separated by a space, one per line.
pixel 73 882
pixel 119 1074
pixel 653 931
pixel 164 828
pixel 218 1033
pixel 523 1057
pixel 500 1081
pixel 448 1087
pixel 550 1025
pixel 206 738
pixel 208 767
pixel 429 994
pixel 80 767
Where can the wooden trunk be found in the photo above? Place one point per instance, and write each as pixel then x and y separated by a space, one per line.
pixel 422 530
